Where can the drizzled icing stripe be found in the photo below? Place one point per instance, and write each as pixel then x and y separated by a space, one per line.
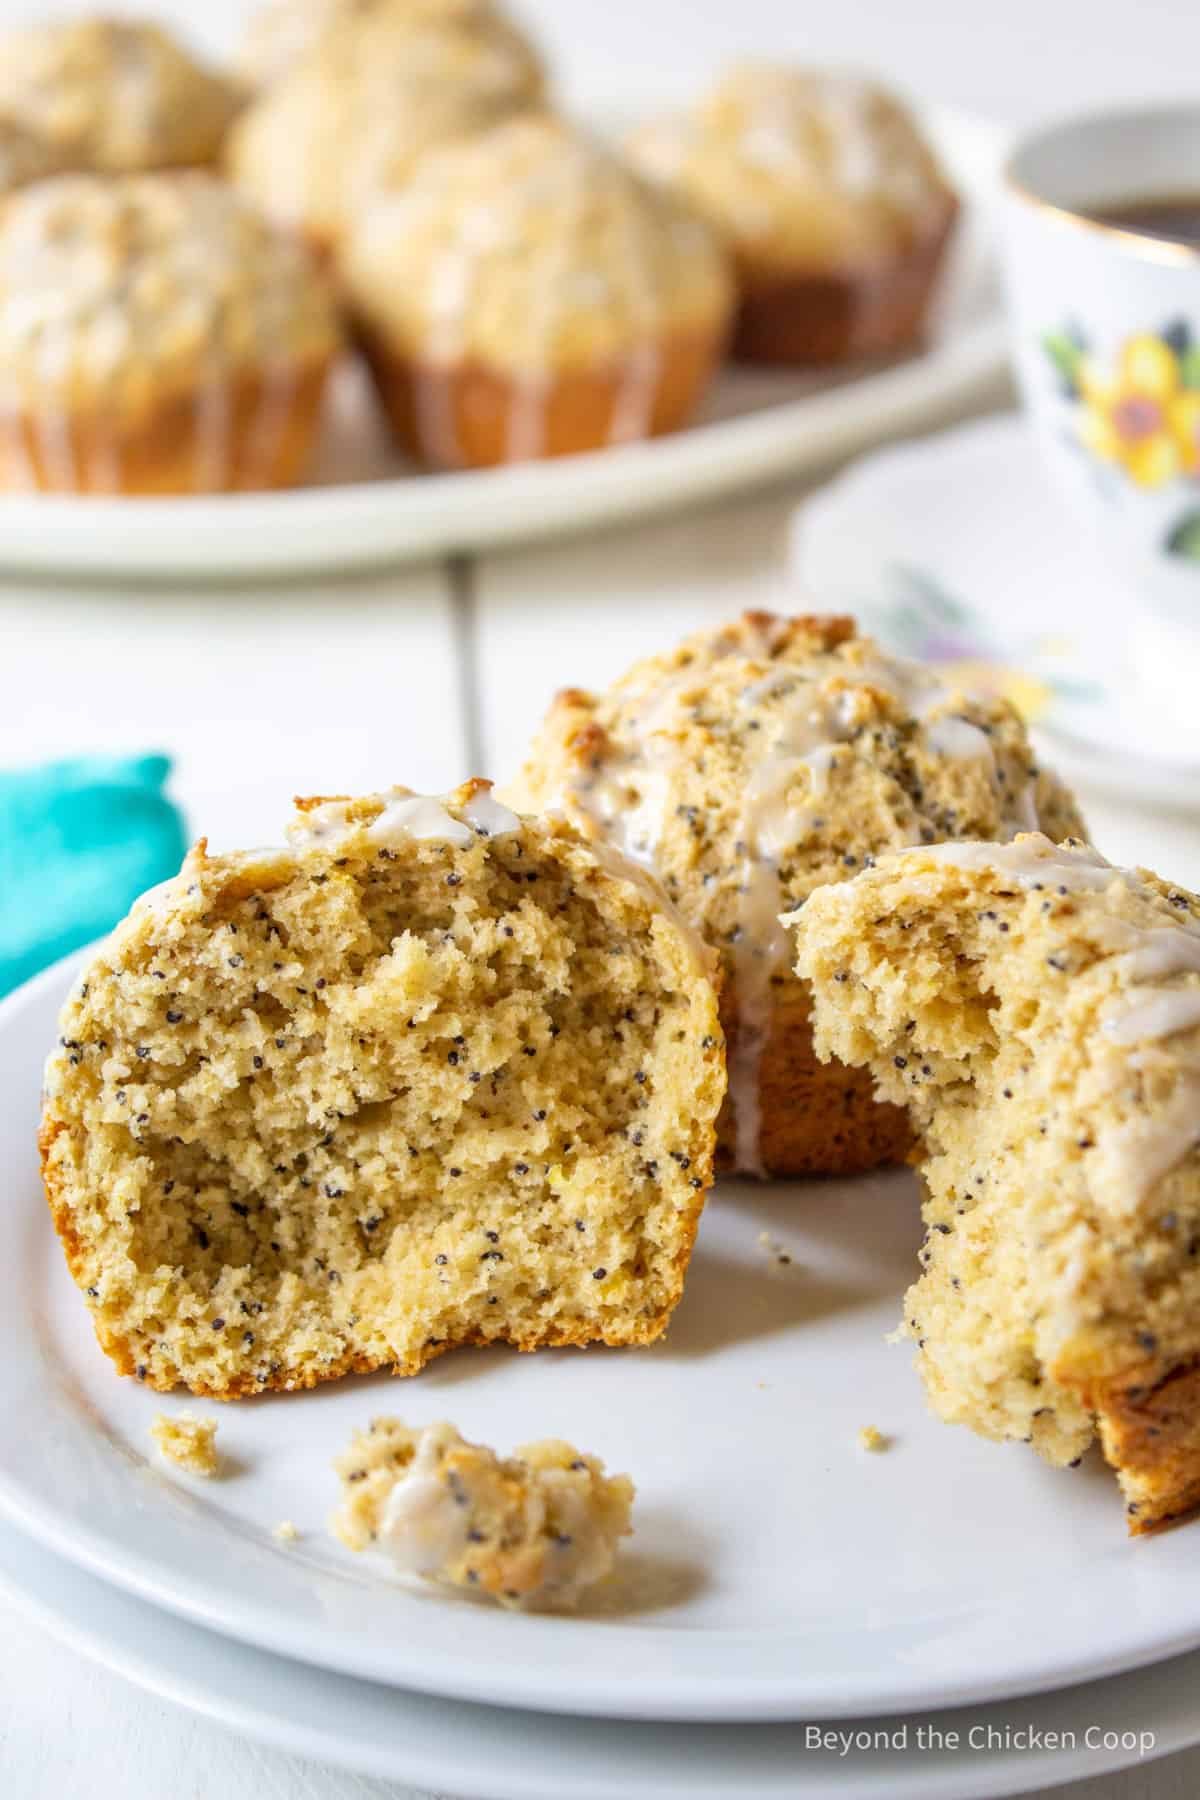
pixel 213 419
pixel 424 817
pixel 51 422
pixel 278 386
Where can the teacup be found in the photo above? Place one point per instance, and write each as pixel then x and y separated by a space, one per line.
pixel 1106 329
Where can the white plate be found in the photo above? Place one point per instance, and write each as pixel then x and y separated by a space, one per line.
pixel 956 551
pixel 365 505
pixel 777 1571
pixel 481 1751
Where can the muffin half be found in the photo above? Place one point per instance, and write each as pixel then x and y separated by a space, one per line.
pixel 527 295
pixel 156 337
pixel 1038 1012
pixel 434 1075
pixel 751 765
pixel 835 206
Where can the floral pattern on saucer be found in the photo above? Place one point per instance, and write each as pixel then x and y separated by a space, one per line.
pixel 923 620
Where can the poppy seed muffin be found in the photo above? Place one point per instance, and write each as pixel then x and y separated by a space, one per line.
pixel 747 767
pixel 371 98
pixel 114 95
pixel 1038 1012
pixel 532 1530
pixel 835 207
pixel 433 1075
pixel 156 336
pixel 528 295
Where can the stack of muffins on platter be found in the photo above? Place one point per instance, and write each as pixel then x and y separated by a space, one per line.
pixel 157 334
pixel 187 252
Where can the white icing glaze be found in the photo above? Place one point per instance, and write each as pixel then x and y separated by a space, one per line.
pixel 622 867
pixel 418 816
pixel 212 415
pixel 489 817
pixel 1132 1157
pixel 50 420
pixel 320 824
pixel 1150 1015
pixel 960 740
pixel 266 435
pixel 634 402
pixel 1164 950
pixel 449 292
pixel 423 1526
pixel 1033 861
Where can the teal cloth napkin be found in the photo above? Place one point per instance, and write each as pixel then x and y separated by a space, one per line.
pixel 79 841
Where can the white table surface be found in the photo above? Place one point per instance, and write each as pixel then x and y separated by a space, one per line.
pixel 424 676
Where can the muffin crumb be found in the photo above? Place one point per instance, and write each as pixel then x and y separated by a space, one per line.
pixel 187 1441
pixel 534 1530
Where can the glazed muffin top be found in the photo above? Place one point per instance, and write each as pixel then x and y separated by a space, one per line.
pixel 801 167
pixel 131 288
pixel 283 31
pixel 760 760
pixel 114 95
pixel 373 96
pixel 532 248
pixel 25 155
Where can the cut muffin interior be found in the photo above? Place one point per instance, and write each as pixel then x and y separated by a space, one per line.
pixel 1039 1013
pixel 432 1075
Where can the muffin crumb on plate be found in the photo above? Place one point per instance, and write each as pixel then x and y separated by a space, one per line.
pixel 535 1529
pixel 187 1441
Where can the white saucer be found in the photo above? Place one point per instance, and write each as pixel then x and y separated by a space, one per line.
pixel 363 504
pixel 955 550
pixel 777 1570
pixel 479 1752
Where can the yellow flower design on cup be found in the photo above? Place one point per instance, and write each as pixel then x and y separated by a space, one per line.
pixel 1144 418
